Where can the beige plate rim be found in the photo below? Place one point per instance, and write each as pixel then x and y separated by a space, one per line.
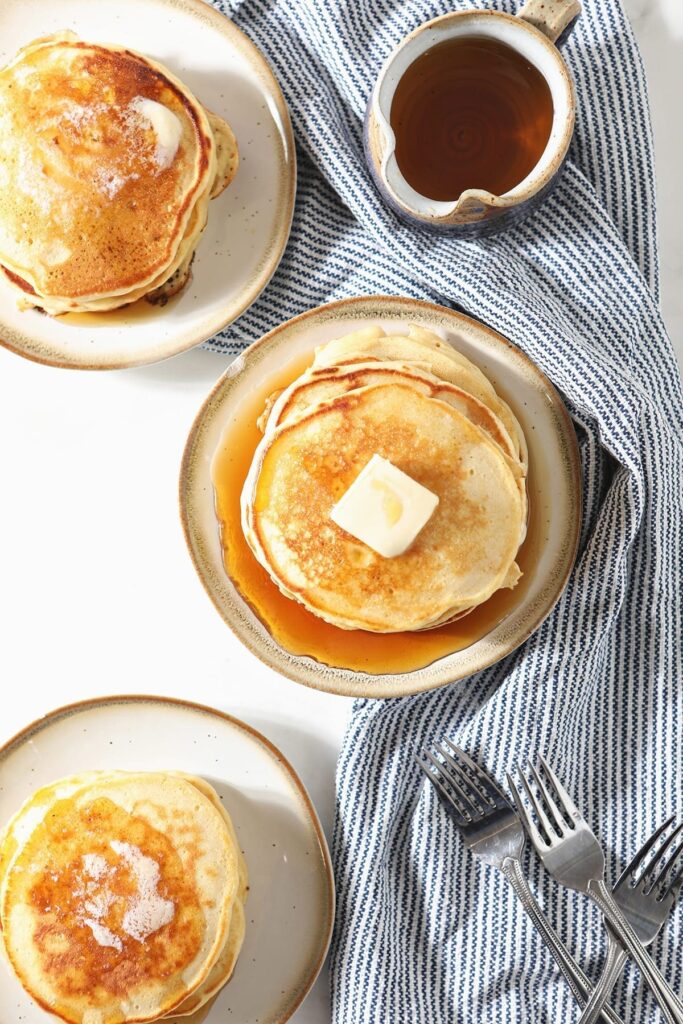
pixel 93 703
pixel 232 310
pixel 304 669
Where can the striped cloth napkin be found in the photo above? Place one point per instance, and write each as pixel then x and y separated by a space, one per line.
pixel 424 933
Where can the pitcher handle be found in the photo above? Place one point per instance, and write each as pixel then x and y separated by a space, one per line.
pixel 553 18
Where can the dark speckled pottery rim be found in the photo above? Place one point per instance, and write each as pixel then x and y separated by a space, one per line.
pixel 201 528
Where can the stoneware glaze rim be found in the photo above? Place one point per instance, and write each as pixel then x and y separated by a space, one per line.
pixel 201 527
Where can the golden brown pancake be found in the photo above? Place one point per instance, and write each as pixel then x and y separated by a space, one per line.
pixel 465 552
pixel 35 809
pixel 222 970
pixel 321 385
pixel 317 386
pixel 227 162
pixel 118 900
pixel 292 539
pixel 424 348
pixel 107 166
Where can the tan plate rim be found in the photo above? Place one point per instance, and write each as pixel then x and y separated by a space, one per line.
pixel 223 24
pixel 51 717
pixel 347 682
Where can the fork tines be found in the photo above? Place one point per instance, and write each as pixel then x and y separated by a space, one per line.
pixel 556 813
pixel 464 787
pixel 651 871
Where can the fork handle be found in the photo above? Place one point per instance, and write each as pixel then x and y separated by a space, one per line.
pixel 614 965
pixel 670 1004
pixel 574 976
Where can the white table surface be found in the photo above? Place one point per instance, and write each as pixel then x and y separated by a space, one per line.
pixel 97 592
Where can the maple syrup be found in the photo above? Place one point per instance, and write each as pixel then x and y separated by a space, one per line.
pixel 293 626
pixel 470 112
pixel 140 311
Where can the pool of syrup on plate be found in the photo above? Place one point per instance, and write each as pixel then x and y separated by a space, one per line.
pixel 140 311
pixel 298 630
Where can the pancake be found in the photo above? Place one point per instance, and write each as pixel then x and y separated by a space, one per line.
pixel 222 970
pixel 118 900
pixel 227 154
pixel 30 814
pixel 424 348
pixel 464 553
pixel 227 162
pixel 317 386
pixel 107 165
pixel 38 805
pixel 174 278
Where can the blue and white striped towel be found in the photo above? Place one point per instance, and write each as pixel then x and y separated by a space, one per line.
pixel 425 935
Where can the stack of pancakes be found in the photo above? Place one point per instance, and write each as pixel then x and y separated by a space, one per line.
pixel 107 166
pixel 122 897
pixel 417 402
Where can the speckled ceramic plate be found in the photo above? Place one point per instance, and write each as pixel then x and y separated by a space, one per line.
pixel 554 487
pixel 290 876
pixel 248 225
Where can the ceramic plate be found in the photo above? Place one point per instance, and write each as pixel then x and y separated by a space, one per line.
pixel 248 225
pixel 291 886
pixel 554 486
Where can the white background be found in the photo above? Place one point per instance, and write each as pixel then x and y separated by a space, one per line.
pixel 97 593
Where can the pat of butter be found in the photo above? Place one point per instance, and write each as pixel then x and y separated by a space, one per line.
pixel 165 125
pixel 385 508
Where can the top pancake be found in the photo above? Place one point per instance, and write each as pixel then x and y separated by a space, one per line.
pixel 320 385
pixel 302 468
pixel 422 347
pixel 118 895
pixel 34 810
pixel 93 202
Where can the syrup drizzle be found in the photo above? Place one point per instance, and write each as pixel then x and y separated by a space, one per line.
pixel 295 628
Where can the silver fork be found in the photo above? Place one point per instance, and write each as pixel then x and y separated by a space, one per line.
pixel 492 832
pixel 646 892
pixel 573 856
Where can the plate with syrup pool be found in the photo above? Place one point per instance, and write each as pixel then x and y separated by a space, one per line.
pixel 285 634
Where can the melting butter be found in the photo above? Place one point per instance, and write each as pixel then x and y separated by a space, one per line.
pixel 384 508
pixel 165 125
pixel 392 506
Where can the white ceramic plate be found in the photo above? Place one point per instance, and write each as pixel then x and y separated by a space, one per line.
pixel 248 225
pixel 554 486
pixel 290 908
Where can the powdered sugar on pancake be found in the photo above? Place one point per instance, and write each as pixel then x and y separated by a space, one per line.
pixel 148 911
pixel 144 912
